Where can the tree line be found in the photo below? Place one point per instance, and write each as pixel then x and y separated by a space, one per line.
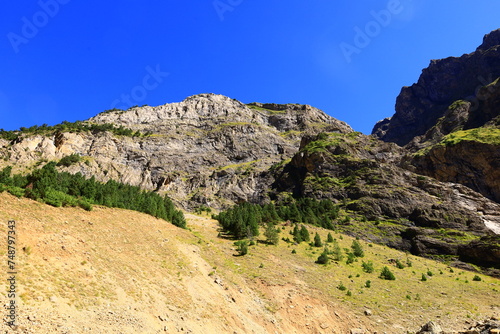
pixel 66 126
pixel 64 189
pixel 244 220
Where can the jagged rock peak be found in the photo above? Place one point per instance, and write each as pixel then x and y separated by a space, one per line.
pixel 198 109
pixel 444 81
pixel 490 40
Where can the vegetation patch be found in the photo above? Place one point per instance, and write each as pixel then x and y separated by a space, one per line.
pixel 243 220
pixel 64 189
pixel 75 127
pixel 270 111
pixel 483 135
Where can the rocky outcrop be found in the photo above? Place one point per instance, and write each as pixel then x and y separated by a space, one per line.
pixel 489 326
pixel 472 163
pixel 207 150
pixel 420 106
pixel 484 252
pixel 385 203
pixel 449 120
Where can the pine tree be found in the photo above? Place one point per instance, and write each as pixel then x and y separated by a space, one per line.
pixel 323 258
pixel 387 274
pixel 357 249
pixel 304 233
pixel 329 238
pixel 297 236
pixel 295 215
pixel 271 234
pixel 5 176
pixel 317 241
pixel 337 252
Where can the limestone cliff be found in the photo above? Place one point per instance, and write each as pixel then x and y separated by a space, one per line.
pixel 206 150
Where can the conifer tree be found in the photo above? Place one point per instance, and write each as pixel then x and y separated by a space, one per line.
pixel 317 241
pixel 323 258
pixel 329 238
pixel 357 249
pixel 295 215
pixel 304 233
pixel 241 247
pixel 336 252
pixel 271 234
pixel 297 235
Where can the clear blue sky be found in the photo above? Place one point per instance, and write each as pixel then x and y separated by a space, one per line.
pixel 70 59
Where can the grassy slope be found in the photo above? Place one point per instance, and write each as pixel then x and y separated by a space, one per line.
pixel 119 270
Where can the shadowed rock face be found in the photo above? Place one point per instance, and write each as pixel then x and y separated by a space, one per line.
pixel 419 106
pixel 368 179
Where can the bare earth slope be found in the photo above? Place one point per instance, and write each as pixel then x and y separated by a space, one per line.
pixel 118 271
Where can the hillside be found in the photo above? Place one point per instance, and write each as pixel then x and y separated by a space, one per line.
pixel 117 271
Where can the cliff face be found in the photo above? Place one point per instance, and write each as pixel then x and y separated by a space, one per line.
pixel 207 150
pixel 420 106
pixel 449 121
pixel 384 202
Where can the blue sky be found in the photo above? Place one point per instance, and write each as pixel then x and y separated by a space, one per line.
pixel 70 59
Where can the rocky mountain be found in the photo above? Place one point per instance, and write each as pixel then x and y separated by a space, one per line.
pixel 420 106
pixel 436 196
pixel 206 150
pixel 449 120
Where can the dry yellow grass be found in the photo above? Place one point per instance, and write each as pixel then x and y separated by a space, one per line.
pixel 118 271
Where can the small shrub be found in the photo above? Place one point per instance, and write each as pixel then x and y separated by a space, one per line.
pixel 368 284
pixel 27 250
pixel 341 287
pixel 16 191
pixel 350 258
pixel 241 247
pixel 349 293
pixel 399 265
pixel 69 160
pixel 424 278
pixel 294 251
pixel 357 249
pixel 477 278
pixel 323 258
pixel 85 205
pixel 367 267
pixel 429 273
pixel 387 274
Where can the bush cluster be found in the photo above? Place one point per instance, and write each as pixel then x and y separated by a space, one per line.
pixel 65 126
